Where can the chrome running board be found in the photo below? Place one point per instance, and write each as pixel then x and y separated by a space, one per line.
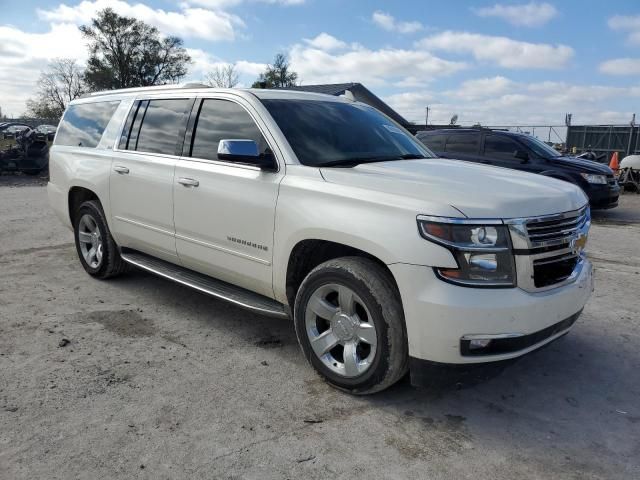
pixel 203 283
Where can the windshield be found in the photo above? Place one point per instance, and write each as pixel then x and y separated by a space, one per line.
pixel 324 133
pixel 539 147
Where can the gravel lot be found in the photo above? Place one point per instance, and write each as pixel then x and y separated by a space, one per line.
pixel 140 378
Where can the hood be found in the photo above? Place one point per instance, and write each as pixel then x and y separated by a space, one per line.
pixel 478 191
pixel 581 165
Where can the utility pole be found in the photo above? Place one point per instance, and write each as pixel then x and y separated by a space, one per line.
pixel 426 117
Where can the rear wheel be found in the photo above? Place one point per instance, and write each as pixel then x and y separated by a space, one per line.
pixel 350 325
pixel 98 252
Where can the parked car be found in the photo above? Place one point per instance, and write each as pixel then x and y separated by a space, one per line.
pixel 5 125
pixel 13 130
pixel 46 132
pixel 324 210
pixel 526 153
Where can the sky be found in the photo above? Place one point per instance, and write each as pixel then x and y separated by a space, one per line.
pixel 497 63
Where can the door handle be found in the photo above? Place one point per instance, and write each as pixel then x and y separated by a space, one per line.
pixel 121 170
pixel 188 182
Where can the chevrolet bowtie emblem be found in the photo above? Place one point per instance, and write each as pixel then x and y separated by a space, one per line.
pixel 578 243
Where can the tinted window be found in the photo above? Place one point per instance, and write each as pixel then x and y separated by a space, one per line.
pixel 162 126
pixel 463 143
pixel 434 142
pixel 83 125
pixel 222 119
pixel 500 146
pixel 538 146
pixel 321 132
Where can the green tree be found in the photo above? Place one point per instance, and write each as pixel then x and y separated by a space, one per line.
pixel 61 82
pixel 277 75
pixel 125 52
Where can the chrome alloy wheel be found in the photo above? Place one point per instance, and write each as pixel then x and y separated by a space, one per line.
pixel 90 240
pixel 341 330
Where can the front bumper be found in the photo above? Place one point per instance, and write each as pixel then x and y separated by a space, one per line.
pixel 438 314
pixel 603 196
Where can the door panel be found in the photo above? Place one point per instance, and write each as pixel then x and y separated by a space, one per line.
pixel 141 186
pixel 142 203
pixel 224 225
pixel 225 211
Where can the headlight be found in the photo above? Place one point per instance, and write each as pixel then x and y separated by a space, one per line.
pixel 482 251
pixel 593 178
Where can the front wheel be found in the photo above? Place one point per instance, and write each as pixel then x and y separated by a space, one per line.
pixel 350 325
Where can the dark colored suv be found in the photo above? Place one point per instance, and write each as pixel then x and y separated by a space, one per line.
pixel 528 154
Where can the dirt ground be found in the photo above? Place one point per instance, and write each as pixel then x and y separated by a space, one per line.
pixel 141 378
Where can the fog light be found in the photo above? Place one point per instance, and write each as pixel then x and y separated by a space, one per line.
pixel 479 343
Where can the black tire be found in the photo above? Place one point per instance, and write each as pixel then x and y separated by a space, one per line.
pixel 375 287
pixel 111 263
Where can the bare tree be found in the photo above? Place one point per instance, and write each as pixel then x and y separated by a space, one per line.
pixel 223 76
pixel 60 83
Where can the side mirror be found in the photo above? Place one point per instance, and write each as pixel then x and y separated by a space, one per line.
pixel 245 151
pixel 522 155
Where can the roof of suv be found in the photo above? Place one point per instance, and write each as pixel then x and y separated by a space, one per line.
pixel 441 131
pixel 196 89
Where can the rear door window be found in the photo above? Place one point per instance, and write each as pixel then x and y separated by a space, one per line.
pixel 500 146
pixel 84 124
pixel 159 128
pixel 223 119
pixel 463 143
pixel 434 142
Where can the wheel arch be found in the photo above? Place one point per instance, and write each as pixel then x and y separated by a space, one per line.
pixel 309 253
pixel 77 196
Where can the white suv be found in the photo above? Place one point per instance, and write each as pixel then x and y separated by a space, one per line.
pixel 323 209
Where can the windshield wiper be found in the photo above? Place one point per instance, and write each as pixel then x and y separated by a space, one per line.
pixel 352 162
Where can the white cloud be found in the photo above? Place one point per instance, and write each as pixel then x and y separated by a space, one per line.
pixel 411 82
pixel 186 23
pixel 504 51
pixel 326 42
pixel 222 4
pixel 501 101
pixel 621 66
pixel 483 88
pixel 250 68
pixel 629 24
pixel 387 22
pixel 203 63
pixel 373 67
pixel 23 55
pixel 531 14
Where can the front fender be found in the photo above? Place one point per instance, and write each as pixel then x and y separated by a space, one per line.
pixel 371 222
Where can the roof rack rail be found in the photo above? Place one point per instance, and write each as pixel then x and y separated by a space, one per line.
pixel 171 86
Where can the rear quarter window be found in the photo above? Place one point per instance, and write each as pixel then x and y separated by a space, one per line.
pixel 84 124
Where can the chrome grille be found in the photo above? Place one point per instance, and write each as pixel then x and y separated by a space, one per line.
pixel 547 250
pixel 558 229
